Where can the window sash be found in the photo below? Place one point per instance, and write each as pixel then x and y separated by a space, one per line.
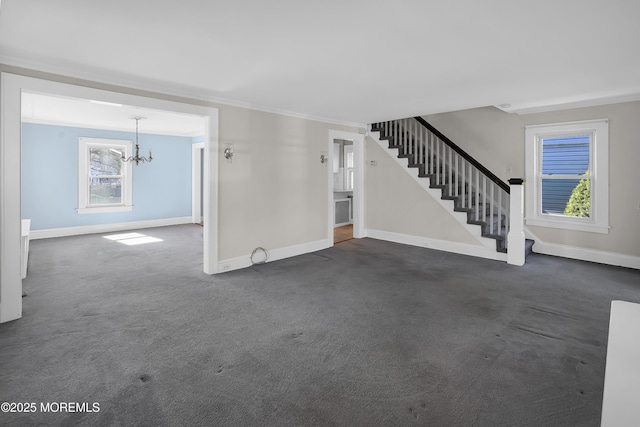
pixel 90 186
pixel 564 199
pixel 569 149
pixel 115 198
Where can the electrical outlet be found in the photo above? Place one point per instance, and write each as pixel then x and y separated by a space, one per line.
pixel 373 163
pixel 226 267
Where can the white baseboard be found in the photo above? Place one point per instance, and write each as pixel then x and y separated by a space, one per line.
pixel 436 194
pixel 274 255
pixel 106 228
pixel 584 254
pixel 441 245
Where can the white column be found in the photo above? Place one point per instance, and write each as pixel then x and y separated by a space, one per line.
pixel 516 238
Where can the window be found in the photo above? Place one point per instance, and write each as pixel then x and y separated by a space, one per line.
pixel 567 175
pixel 104 180
pixel 343 161
pixel 348 167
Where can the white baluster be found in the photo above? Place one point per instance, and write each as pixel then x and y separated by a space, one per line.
pixel 405 143
pixel 412 142
pixel 450 171
pixel 463 193
pixel 421 146
pixel 445 169
pixel 477 195
pixel 431 153
pixel 456 177
pixel 484 198
pixel 437 161
pixel 500 211
pixel 492 212
pixel 507 210
pixel 396 129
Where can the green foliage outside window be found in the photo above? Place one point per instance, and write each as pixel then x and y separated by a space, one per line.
pixel 579 204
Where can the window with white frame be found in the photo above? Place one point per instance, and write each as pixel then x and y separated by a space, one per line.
pixel 104 179
pixel 348 167
pixel 567 175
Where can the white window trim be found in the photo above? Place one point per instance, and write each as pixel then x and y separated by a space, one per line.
pixel 599 220
pixel 83 176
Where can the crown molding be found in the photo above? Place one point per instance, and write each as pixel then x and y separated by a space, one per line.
pixel 121 81
pixel 532 108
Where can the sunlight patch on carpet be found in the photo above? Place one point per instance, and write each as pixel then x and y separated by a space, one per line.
pixel 131 239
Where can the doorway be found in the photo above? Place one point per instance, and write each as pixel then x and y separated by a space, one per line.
pixel 13 86
pixel 346 181
pixel 342 233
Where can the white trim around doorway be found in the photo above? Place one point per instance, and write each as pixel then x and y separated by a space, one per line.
pixel 358 184
pixel 12 87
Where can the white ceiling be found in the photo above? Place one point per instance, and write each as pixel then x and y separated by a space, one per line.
pixel 352 61
pixel 44 109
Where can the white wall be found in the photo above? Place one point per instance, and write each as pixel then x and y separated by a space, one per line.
pixel 396 203
pixel 274 193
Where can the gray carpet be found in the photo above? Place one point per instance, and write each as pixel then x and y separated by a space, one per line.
pixel 367 333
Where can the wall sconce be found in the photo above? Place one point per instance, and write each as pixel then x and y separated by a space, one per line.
pixel 228 152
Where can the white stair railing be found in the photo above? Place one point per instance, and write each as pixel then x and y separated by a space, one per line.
pixel 473 188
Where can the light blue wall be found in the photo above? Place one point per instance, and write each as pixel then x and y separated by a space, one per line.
pixel 161 189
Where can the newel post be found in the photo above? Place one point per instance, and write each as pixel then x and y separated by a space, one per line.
pixel 516 238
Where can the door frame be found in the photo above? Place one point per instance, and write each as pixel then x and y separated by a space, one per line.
pixel 196 182
pixel 358 182
pixel 11 88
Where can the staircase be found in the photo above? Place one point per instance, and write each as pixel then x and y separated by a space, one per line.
pixel 473 188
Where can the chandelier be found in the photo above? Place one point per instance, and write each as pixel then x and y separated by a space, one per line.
pixel 137 158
